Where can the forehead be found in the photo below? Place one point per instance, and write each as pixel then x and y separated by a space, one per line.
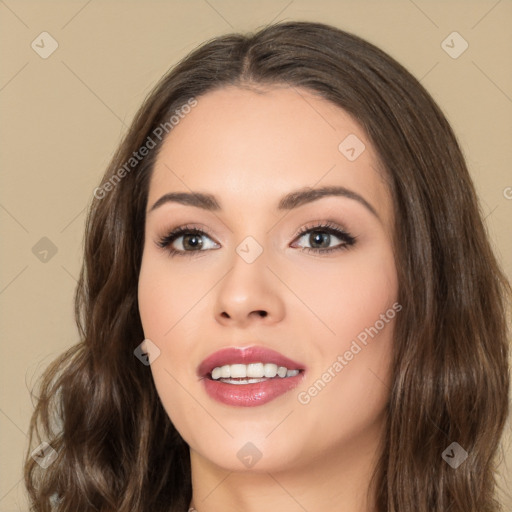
pixel 251 147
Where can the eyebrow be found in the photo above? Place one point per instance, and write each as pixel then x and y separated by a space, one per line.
pixel 288 202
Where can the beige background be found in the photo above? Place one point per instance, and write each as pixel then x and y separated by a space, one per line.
pixel 63 117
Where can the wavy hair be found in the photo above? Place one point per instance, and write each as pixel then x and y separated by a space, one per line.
pixel 97 405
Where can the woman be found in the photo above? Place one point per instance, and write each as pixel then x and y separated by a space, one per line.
pixel 288 298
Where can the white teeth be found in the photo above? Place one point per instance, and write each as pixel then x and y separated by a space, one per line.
pixel 270 370
pixel 281 371
pixel 253 372
pixel 238 371
pixel 216 373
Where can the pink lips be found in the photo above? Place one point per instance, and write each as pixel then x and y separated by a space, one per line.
pixel 248 395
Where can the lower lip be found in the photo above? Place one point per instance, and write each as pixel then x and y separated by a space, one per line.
pixel 250 395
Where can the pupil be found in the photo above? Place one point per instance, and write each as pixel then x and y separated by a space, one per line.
pixel 192 241
pixel 323 239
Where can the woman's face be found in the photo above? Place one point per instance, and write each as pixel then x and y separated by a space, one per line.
pixel 266 262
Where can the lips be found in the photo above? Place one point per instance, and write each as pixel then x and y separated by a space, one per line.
pixel 248 394
pixel 247 355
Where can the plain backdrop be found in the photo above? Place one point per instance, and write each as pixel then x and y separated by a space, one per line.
pixel 64 115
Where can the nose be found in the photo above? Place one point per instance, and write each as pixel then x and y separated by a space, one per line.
pixel 249 293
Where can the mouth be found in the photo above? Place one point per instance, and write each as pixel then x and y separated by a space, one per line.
pixel 250 376
pixel 251 373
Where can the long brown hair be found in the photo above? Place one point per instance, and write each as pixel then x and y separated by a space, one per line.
pixel 97 405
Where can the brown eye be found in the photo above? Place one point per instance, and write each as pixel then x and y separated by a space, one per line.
pixel 187 240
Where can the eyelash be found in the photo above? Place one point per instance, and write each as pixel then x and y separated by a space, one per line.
pixel 327 227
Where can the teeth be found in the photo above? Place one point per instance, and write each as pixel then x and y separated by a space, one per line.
pixel 255 372
pixel 270 370
pixel 238 371
pixel 245 381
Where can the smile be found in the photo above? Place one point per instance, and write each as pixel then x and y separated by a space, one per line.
pixel 249 377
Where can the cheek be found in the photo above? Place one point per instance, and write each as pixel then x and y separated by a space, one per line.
pixel 348 295
pixel 365 292
pixel 165 296
pixel 164 300
pixel 352 377
pixel 172 306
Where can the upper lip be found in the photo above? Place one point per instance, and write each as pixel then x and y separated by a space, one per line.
pixel 246 355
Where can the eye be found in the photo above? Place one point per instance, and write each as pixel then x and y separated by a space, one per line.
pixel 185 240
pixel 324 238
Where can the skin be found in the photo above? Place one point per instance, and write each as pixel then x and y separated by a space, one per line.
pixel 249 147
